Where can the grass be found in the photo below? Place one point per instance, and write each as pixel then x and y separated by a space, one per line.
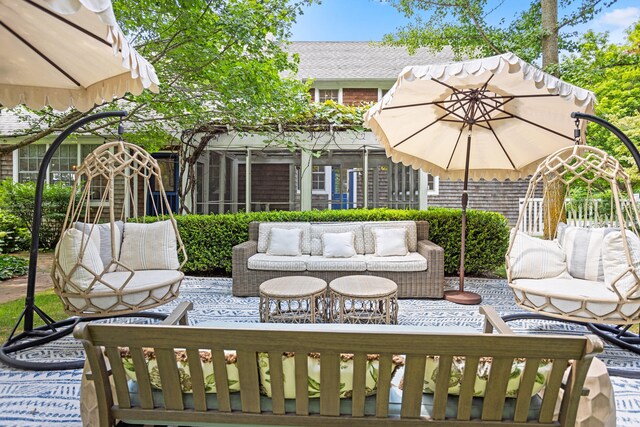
pixel 48 301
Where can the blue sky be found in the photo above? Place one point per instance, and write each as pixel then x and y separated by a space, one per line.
pixel 369 20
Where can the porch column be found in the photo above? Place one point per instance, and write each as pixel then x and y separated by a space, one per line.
pixel 234 185
pixel 423 187
pixel 365 178
pixel 306 183
pixel 247 185
pixel 222 182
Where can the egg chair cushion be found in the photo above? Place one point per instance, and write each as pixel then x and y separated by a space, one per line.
pixel 101 235
pixel 573 299
pixel 151 246
pixel 583 247
pixel 128 292
pixel 616 267
pixel 533 258
pixel 78 258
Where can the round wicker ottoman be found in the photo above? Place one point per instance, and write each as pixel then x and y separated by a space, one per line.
pixel 363 299
pixel 293 299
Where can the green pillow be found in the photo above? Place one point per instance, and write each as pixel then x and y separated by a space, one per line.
pixel 482 376
pixel 313 366
pixel 183 369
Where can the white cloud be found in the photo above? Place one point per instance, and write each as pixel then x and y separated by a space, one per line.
pixel 620 18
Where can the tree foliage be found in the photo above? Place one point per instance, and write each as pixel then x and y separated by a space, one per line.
pixel 465 26
pixel 214 58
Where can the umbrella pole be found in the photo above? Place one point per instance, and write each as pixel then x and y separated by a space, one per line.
pixel 461 296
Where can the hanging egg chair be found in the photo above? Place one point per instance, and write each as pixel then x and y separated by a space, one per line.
pixel 589 271
pixel 106 262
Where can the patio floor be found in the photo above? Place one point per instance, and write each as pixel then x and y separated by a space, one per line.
pixel 48 398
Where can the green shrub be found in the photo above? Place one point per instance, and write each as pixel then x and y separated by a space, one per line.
pixel 12 266
pixel 18 199
pixel 209 238
pixel 14 236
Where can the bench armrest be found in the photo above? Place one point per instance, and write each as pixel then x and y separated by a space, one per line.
pixel 179 314
pixel 493 321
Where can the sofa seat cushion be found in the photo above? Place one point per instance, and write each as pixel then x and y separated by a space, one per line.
pixel 413 261
pixel 577 297
pixel 318 229
pixel 144 289
pixel 319 263
pixel 369 240
pixel 277 262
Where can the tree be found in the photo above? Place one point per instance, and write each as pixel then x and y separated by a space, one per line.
pixel 214 58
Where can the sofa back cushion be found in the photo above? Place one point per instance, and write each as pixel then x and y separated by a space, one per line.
pixel 369 239
pixel 264 234
pixel 482 376
pixel 182 362
pixel 313 369
pixel 318 229
pixel 583 247
pixel 533 258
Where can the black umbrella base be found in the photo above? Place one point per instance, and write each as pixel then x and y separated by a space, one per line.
pixel 463 297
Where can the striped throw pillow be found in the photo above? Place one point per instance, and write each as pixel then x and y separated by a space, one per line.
pixel 149 247
pixel 533 258
pixel 583 247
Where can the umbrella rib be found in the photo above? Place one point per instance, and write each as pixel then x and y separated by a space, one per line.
pixel 501 146
pixel 455 147
pixel 72 24
pixel 418 131
pixel 511 115
pixel 42 55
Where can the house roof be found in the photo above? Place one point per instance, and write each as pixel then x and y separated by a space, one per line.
pixel 359 60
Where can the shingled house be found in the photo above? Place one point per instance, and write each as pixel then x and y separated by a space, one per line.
pixel 353 170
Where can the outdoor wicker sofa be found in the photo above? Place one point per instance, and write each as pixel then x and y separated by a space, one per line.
pixel 351 375
pixel 418 274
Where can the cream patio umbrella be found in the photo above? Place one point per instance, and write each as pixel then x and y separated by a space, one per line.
pixel 495 117
pixel 64 54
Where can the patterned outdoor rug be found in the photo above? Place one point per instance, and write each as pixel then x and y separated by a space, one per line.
pixel 52 398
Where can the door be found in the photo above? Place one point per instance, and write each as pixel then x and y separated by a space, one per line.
pixel 168 163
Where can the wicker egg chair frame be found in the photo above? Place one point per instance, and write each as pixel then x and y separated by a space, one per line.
pixel 589 165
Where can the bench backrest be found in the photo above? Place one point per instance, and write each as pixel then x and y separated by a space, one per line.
pixel 330 341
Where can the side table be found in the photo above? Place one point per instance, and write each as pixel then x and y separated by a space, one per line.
pixel 363 299
pixel 293 299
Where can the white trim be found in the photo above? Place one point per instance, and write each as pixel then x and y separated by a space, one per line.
pixel 379 93
pixel 16 159
pixel 340 95
pixel 436 187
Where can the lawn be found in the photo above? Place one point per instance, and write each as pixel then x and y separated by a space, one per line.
pixel 48 301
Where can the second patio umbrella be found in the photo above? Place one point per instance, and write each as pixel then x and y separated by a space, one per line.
pixel 495 117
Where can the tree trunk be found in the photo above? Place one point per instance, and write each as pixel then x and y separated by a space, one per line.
pixel 553 193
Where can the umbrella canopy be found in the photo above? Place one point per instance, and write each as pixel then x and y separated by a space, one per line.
pixel 523 115
pixel 66 53
pixel 494 117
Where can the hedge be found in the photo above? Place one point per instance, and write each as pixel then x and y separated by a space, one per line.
pixel 209 238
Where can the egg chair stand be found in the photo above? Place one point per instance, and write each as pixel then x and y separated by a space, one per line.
pixel 619 335
pixel 51 330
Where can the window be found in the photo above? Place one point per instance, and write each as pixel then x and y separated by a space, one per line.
pixel 29 159
pixel 433 185
pixel 328 95
pixel 98 183
pixel 318 178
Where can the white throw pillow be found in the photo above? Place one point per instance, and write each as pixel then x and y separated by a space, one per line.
pixel 151 246
pixel 285 242
pixel 101 236
pixel 338 245
pixel 390 241
pixel 533 258
pixel 583 248
pixel 614 260
pixel 73 245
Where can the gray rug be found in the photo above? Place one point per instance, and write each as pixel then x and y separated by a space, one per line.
pixel 52 398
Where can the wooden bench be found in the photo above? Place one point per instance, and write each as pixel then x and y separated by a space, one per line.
pixel 144 405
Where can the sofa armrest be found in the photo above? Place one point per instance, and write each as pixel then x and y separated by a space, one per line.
pixel 245 250
pixel 433 253
pixel 493 321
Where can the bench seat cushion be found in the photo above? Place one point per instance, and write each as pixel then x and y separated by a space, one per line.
pixel 319 263
pixel 145 288
pixel 413 261
pixel 261 261
pixel 579 297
